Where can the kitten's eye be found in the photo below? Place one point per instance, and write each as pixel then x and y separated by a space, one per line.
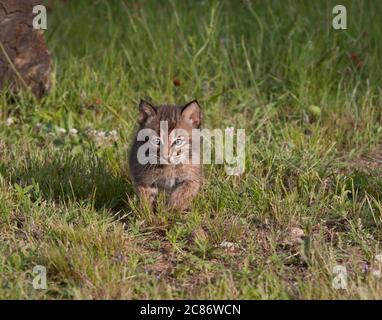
pixel 155 141
pixel 179 142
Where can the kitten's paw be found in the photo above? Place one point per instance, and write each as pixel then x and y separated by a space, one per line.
pixel 147 197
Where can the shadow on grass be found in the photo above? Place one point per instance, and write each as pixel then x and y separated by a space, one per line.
pixel 81 178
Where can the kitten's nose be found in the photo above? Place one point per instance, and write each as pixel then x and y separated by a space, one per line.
pixel 165 154
pixel 165 157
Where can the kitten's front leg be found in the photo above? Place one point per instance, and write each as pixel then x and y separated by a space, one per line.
pixel 181 197
pixel 147 196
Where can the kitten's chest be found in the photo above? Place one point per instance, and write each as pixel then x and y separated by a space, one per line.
pixel 167 183
pixel 169 179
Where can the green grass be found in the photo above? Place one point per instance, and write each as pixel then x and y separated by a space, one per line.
pixel 66 201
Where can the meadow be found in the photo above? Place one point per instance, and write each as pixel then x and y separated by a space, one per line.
pixel 309 98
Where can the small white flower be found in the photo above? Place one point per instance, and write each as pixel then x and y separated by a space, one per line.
pixel 73 131
pixel 228 245
pixel 91 132
pixel 62 131
pixel 113 133
pixel 101 134
pixel 10 121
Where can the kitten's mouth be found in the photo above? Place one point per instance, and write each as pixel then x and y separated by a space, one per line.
pixel 176 160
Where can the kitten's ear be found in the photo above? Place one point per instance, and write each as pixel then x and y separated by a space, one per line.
pixel 146 111
pixel 191 112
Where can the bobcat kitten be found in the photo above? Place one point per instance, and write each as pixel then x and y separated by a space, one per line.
pixel 181 181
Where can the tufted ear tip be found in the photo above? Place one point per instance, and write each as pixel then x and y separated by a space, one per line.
pixel 146 111
pixel 191 112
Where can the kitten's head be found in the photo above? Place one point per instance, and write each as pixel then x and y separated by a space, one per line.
pixel 180 120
